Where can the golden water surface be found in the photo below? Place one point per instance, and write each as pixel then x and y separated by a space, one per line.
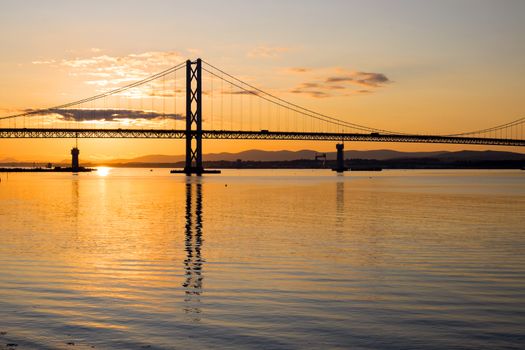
pixel 281 259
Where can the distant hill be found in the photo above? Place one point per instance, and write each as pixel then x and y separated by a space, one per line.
pixel 386 154
pixel 153 158
pixel 480 155
pixel 255 155
pixel 267 156
pixel 284 156
pixel 8 160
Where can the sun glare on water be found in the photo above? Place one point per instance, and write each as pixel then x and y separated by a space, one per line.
pixel 103 171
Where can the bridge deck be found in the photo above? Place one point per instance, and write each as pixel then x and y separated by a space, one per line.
pixel 12 133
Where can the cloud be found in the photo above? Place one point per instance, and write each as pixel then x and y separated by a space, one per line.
pixel 109 115
pixel 311 93
pixel 361 78
pixel 37 62
pixel 268 51
pixel 311 89
pixel 331 82
pixel 107 70
pixel 309 85
pixel 299 70
pixel 335 87
pixel 166 93
pixel 143 62
pixel 240 92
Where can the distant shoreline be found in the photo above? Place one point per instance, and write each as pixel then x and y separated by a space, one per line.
pixel 310 159
pixel 46 170
pixel 356 164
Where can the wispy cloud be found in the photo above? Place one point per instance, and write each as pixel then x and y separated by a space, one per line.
pixel 263 51
pixel 360 78
pixel 240 92
pixel 310 92
pixel 43 62
pixel 108 70
pixel 331 82
pixel 299 70
pixel 108 115
pixel 159 92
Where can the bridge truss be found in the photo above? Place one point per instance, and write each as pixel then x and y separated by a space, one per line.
pixel 12 133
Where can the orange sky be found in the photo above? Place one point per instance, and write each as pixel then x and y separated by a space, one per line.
pixel 439 67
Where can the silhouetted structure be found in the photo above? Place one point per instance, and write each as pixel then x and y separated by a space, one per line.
pixel 321 156
pixel 74 159
pixel 323 127
pixel 194 121
pixel 340 158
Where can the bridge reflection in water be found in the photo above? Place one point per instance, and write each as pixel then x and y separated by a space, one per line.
pixel 193 243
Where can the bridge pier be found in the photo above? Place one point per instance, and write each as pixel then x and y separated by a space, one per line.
pixel 340 167
pixel 194 121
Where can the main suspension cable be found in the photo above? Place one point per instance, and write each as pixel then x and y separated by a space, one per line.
pixel 102 95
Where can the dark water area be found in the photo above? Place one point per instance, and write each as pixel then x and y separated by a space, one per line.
pixel 263 259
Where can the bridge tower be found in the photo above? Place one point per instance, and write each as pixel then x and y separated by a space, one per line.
pixel 194 120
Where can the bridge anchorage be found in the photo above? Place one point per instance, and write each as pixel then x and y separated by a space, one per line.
pixel 194 121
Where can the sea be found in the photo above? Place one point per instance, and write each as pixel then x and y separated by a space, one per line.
pixel 125 258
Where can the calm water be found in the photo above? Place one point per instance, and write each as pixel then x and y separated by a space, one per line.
pixel 132 258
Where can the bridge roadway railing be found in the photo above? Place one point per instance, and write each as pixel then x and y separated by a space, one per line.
pixel 13 133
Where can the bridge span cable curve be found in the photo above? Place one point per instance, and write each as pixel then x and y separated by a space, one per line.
pixel 102 95
pixel 506 127
pixel 514 128
pixel 334 122
pixel 292 106
pixel 496 128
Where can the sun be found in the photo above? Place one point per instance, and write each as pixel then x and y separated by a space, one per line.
pixel 103 170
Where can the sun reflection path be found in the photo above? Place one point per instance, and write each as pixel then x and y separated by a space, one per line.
pixel 103 170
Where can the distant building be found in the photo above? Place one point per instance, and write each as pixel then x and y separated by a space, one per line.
pixel 74 159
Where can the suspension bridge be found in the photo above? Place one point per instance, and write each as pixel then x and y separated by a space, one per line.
pixel 171 105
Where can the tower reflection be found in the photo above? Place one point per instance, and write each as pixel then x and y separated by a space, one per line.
pixel 193 243
pixel 75 204
pixel 340 201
